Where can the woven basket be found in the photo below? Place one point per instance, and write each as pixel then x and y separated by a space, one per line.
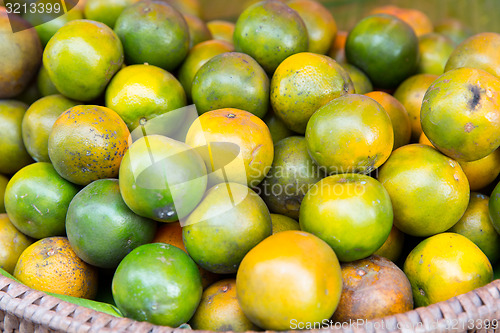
pixel 26 310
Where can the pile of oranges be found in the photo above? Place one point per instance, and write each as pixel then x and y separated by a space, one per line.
pixel 268 174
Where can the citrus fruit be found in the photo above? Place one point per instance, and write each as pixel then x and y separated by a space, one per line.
pixel 400 120
pixel 455 29
pixel 101 228
pixel 320 24
pixel 229 221
pixel 385 48
pixel 221 30
pixel 435 49
pixel 161 178
pixel 231 80
pixel 51 265
pixel 12 244
pixel 393 246
pixel 292 174
pixel 303 83
pixel 445 265
pixel 139 93
pixel 373 287
pixel 219 310
pixel 411 94
pixel 197 57
pixel 163 282
pixel 198 30
pixel 106 11
pixel 479 51
pixel 153 32
pixel 3 185
pixel 351 212
pixel 425 141
pixel 461 113
pixel 270 31
pixel 45 85
pixel 276 126
pixel 37 200
pixel 48 21
pixel 237 134
pixel 352 133
pixel 21 54
pixel 87 142
pixel 482 172
pixel 272 272
pixel 415 18
pixel 476 225
pixel 189 7
pixel 38 121
pixel 12 149
pixel 82 57
pixel 494 207
pixel 413 174
pixel 361 82
pixel 337 49
pixel 283 223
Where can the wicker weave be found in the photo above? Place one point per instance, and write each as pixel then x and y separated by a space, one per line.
pixel 26 310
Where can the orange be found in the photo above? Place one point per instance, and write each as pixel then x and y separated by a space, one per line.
pixel 12 149
pixel 361 82
pixel 283 223
pixel 37 200
pixel 153 32
pixel 250 135
pixel 270 31
pixel 139 93
pixel 337 49
pixel 3 184
pixel 413 174
pixel 231 80
pixel 87 142
pixel 12 244
pixel 198 30
pixel 82 57
pixel 477 226
pixel 425 141
pixel 45 85
pixel 444 266
pixel 38 121
pixel 51 265
pixel 303 83
pixel 351 212
pixel 197 57
pixel 461 113
pixel 435 49
pixel 229 221
pixel 411 94
pixel 385 48
pixel 455 29
pixel 219 310
pixel 276 126
pixel 106 11
pixel 289 279
pixel 418 20
pixel 393 246
pixel 190 7
pixel 352 133
pixel 21 54
pixel 221 30
pixel 482 172
pixel 320 24
pixel 400 120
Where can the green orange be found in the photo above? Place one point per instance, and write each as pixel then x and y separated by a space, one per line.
pixel 361 82
pixel 303 83
pixel 87 142
pixel 435 49
pixel 231 80
pixel 101 228
pixel 276 126
pixel 283 223
pixel 163 282
pixel 38 121
pixel 106 11
pixel 3 185
pixel 454 29
pixel 198 30
pixel 413 174
pixel 12 243
pixel 482 172
pixel 270 31
pixel 44 83
pixel 37 200
pixel 82 57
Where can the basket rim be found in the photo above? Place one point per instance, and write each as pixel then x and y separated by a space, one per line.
pixel 25 306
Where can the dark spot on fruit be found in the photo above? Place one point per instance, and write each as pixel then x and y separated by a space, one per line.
pixel 476 96
pixel 469 127
pixel 421 291
pixel 231 115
